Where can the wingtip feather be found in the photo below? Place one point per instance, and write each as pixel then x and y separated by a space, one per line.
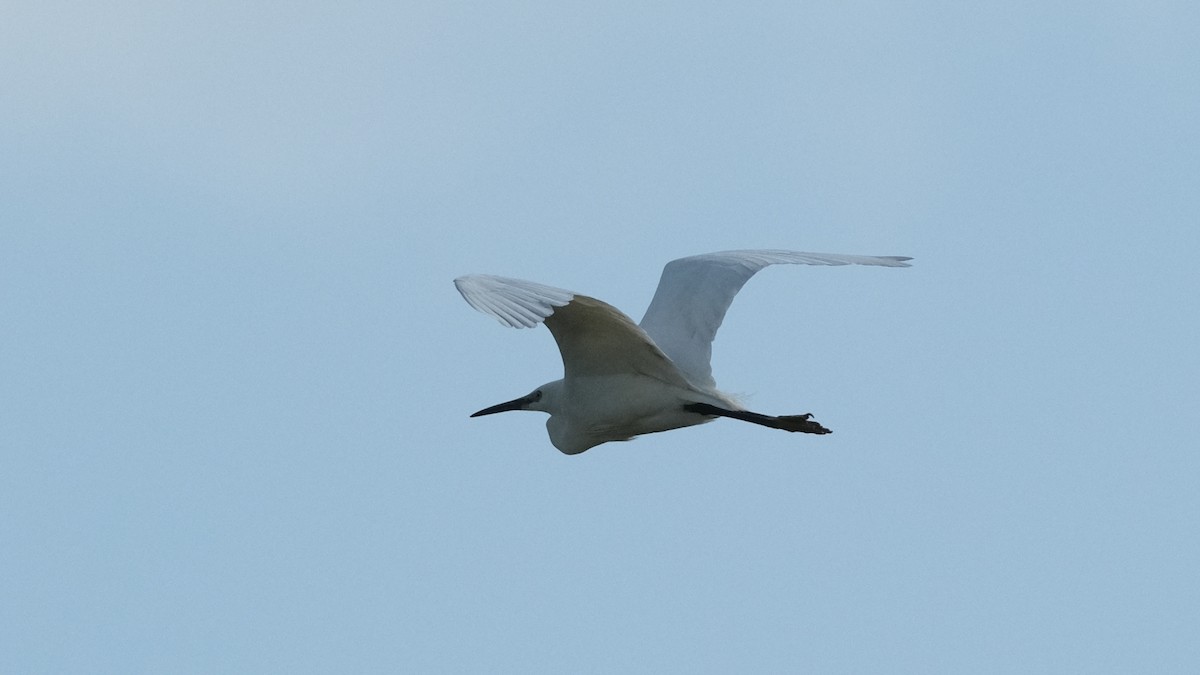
pixel 513 302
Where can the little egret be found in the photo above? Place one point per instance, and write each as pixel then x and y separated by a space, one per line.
pixel 622 379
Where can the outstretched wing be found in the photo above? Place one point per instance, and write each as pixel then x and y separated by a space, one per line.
pixel 594 338
pixel 694 293
pixel 513 302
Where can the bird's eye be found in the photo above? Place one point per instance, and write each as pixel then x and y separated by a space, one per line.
pixel 537 395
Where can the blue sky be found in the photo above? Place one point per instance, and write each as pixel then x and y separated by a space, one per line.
pixel 235 375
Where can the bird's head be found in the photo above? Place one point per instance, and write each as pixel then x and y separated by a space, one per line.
pixel 544 399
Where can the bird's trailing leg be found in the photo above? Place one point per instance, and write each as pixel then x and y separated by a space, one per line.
pixel 803 422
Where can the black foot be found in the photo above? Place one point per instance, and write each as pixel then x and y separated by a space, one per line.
pixel 803 423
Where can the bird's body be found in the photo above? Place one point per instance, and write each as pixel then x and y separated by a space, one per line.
pixel 597 409
pixel 622 380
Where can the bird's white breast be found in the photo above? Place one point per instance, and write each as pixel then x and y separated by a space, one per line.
pixel 599 409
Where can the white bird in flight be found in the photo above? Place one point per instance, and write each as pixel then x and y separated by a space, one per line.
pixel 622 379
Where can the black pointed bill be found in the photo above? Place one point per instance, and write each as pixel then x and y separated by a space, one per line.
pixel 515 404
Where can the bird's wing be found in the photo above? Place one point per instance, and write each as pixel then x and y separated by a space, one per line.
pixel 694 293
pixel 593 337
pixel 515 303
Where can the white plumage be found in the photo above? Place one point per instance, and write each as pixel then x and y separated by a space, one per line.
pixel 621 379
